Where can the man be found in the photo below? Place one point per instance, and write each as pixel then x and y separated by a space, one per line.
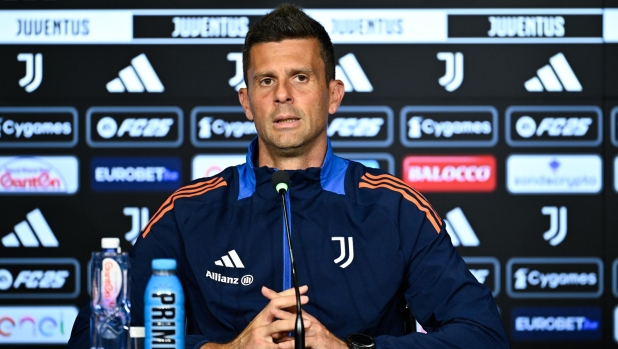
pixel 365 243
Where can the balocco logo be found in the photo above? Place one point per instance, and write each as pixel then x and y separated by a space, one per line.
pixel 451 173
pixel 576 277
pixel 119 127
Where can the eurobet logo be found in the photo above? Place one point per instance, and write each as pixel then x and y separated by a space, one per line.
pixel 554 174
pixel 134 127
pixel 210 165
pixel 32 127
pixel 361 126
pixel 473 173
pixel 38 278
pixel 554 277
pixel 225 126
pixel 40 175
pixel 554 126
pixel 36 324
pixel 449 126
pixel 556 323
pixel 135 174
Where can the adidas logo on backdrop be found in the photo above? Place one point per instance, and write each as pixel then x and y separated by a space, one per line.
pixel 554 77
pixel 136 77
pixel 27 231
pixel 459 229
pixel 351 73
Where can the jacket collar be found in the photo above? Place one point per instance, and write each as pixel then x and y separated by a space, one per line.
pixel 331 174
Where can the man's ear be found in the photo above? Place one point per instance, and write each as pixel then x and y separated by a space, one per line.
pixel 243 97
pixel 336 91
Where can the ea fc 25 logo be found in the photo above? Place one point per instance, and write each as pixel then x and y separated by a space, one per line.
pixel 225 126
pixel 361 126
pixel 36 324
pixel 134 127
pixel 38 127
pixel 135 174
pixel 556 323
pixel 38 278
pixel 554 126
pixel 554 277
pixel 473 173
pixel 40 175
pixel 449 126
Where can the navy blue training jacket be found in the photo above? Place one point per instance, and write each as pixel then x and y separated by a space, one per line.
pixel 364 242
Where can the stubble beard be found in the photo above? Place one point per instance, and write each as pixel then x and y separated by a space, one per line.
pixel 293 144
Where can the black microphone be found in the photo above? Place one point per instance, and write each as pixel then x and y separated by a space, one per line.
pixel 281 182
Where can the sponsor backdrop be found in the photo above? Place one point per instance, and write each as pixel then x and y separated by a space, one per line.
pixel 505 118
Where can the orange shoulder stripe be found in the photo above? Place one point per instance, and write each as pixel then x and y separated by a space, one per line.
pixel 407 196
pixel 204 187
pixel 369 175
pixel 185 189
pixel 396 182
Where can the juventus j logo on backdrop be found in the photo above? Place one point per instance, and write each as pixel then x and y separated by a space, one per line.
pixel 237 81
pixel 34 71
pixel 454 74
pixel 342 240
pixel 139 219
pixel 27 231
pixel 561 77
pixel 557 224
pixel 136 77
pixel 459 229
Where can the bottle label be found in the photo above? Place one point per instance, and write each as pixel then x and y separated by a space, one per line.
pixel 111 282
pixel 165 326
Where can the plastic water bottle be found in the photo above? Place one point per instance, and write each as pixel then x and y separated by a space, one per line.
pixel 164 307
pixel 110 306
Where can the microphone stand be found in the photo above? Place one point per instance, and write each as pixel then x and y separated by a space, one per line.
pixel 299 331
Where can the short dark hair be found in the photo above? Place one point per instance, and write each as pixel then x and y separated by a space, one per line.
pixel 289 22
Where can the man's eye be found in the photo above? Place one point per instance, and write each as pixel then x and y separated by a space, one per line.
pixel 301 78
pixel 267 82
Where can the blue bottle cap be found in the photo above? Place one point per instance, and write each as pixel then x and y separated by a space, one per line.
pixel 164 264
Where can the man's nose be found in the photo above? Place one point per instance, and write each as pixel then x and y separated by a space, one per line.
pixel 283 93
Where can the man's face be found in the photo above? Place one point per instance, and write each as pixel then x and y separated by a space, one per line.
pixel 287 95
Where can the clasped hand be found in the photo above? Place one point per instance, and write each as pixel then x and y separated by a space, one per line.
pixel 271 327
